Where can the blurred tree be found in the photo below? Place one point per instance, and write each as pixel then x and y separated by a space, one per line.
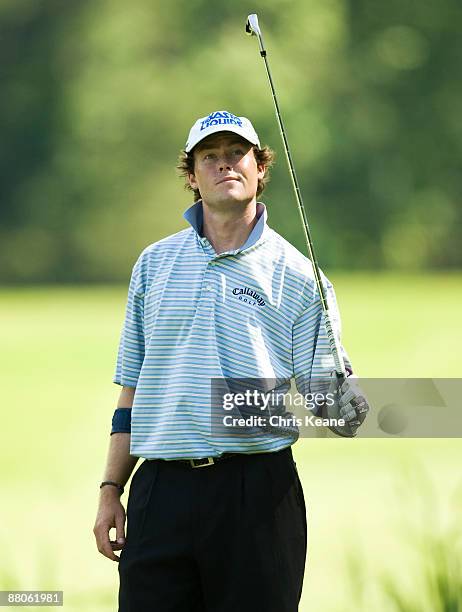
pixel 97 99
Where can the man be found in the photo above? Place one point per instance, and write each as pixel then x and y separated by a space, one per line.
pixel 215 519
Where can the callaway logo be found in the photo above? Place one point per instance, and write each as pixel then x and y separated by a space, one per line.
pixel 248 295
pixel 220 118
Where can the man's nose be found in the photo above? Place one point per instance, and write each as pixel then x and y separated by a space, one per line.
pixel 224 163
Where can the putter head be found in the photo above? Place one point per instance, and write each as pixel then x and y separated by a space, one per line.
pixel 252 27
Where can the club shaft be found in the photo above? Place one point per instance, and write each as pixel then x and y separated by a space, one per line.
pixel 333 340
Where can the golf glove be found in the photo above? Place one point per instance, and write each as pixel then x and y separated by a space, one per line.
pixel 349 403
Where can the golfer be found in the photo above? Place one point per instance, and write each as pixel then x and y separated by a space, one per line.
pixel 216 516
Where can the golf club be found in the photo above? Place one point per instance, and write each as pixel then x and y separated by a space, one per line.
pixel 252 27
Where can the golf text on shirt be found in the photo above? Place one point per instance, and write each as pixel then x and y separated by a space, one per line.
pixel 184 327
pixel 241 292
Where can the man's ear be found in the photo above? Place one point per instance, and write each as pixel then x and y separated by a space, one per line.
pixel 261 170
pixel 192 180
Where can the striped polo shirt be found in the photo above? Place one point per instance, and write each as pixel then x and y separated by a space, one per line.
pixel 193 315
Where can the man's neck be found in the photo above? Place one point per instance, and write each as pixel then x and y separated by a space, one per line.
pixel 227 230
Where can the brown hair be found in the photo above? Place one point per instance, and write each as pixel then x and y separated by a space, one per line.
pixel 263 156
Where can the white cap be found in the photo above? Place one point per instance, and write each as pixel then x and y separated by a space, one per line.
pixel 221 121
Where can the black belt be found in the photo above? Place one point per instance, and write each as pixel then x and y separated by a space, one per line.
pixel 204 461
pixel 207 461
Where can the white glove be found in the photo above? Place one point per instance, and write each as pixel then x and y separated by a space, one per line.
pixel 349 404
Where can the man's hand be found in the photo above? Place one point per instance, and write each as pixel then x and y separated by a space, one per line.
pixel 349 404
pixel 110 514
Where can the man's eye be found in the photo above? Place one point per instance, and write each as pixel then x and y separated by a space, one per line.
pixel 210 156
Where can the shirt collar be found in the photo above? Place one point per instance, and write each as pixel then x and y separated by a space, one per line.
pixel 194 215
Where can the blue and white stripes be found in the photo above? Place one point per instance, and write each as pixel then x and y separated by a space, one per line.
pixel 193 315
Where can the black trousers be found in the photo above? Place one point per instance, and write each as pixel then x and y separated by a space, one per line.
pixel 229 537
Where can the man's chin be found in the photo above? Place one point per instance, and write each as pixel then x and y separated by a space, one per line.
pixel 228 201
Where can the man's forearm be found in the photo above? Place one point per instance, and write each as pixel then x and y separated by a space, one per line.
pixel 120 463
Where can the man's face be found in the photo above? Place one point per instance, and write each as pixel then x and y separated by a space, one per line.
pixel 225 170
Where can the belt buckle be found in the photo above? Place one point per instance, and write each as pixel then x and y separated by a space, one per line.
pixel 206 462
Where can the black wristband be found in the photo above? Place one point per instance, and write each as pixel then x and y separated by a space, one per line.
pixel 118 486
pixel 122 421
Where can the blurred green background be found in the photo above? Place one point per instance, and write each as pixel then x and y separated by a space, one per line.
pixel 98 98
pixel 96 102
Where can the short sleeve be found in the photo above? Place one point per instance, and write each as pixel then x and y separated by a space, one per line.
pixel 313 362
pixel 131 347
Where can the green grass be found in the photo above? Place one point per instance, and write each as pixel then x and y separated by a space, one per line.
pixel 433 580
pixel 402 325
pixel 58 354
